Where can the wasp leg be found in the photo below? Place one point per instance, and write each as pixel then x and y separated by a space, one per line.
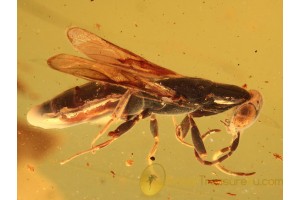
pixel 199 145
pixel 217 158
pixel 115 115
pixel 196 138
pixel 182 130
pixel 211 131
pixel 154 132
pixel 120 130
pixel 124 127
pixel 95 148
pixel 233 173
pixel 184 127
pixel 230 148
pixel 227 171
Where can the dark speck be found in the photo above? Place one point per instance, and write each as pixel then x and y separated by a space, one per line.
pixel 113 173
pixel 152 158
pixel 255 51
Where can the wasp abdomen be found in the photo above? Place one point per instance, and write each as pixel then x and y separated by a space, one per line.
pixel 77 105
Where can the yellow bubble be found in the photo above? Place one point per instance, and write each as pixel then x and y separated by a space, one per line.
pixel 152 179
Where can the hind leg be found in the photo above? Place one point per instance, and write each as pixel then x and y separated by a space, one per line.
pixel 123 128
pixel 115 115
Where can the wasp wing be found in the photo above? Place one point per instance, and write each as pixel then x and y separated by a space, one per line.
pixel 109 73
pixel 105 52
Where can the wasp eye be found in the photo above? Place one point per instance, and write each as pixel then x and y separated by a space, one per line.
pixel 245 111
pixel 245 115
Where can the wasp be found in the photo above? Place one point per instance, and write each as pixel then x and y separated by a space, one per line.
pixel 126 87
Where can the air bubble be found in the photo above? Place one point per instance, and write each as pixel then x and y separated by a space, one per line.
pixel 152 179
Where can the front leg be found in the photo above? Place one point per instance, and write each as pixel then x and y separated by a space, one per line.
pixel 199 148
pixel 225 170
pixel 218 157
pixel 217 160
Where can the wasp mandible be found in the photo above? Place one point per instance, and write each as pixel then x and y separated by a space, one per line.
pixel 124 86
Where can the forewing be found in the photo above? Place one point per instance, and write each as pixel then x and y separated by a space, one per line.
pixel 99 72
pixel 103 51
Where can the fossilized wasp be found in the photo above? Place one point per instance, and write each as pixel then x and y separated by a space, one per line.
pixel 124 86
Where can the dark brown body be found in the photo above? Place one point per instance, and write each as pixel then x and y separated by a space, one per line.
pixel 200 93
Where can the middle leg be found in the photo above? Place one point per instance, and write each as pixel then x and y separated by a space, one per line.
pixel 154 132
